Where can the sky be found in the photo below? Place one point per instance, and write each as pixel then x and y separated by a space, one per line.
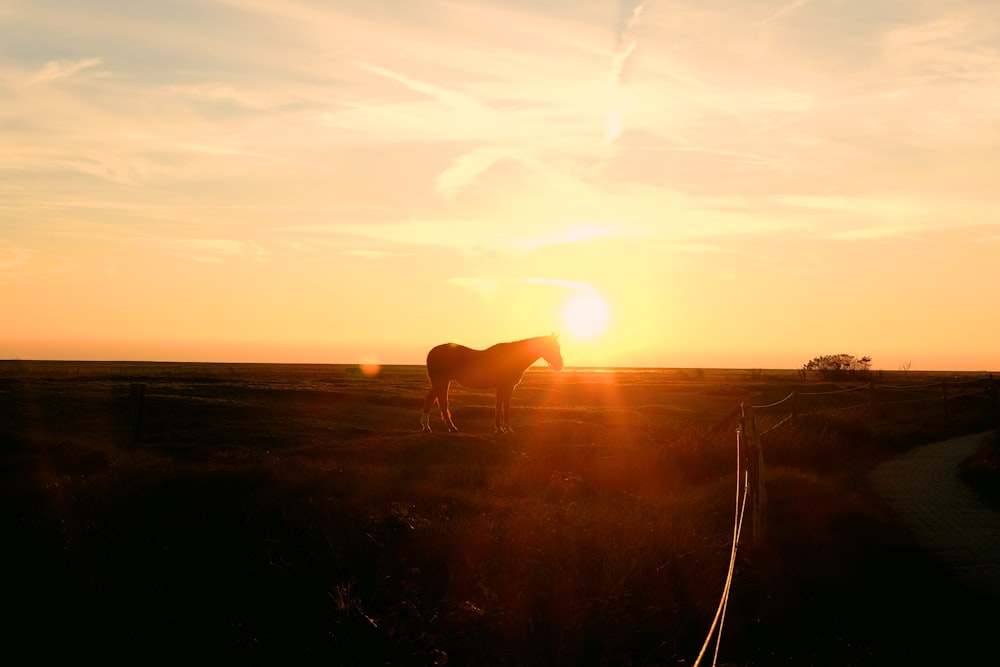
pixel 739 183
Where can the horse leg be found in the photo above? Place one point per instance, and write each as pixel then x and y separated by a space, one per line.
pixel 425 416
pixel 505 410
pixel 498 414
pixel 442 399
pixel 501 419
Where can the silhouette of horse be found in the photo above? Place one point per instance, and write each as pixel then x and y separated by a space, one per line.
pixel 500 366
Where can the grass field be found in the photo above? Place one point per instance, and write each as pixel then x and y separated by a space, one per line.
pixel 271 514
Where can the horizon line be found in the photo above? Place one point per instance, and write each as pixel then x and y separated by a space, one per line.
pixel 145 362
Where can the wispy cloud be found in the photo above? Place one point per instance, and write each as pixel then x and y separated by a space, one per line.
pixel 20 265
pixel 480 236
pixel 580 233
pixel 569 284
pixel 619 102
pixel 62 69
pixel 226 92
pixel 696 249
pixel 439 93
pixel 367 254
pixel 486 288
pixel 872 233
pixel 205 250
pixel 12 258
pixel 784 10
pixel 464 169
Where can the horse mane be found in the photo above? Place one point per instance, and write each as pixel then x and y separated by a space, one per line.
pixel 523 341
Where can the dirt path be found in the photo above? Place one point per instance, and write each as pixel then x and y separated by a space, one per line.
pixel 922 486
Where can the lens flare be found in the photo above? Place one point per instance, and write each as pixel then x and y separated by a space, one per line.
pixel 370 366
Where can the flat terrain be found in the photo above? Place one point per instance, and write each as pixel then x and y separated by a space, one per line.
pixel 269 514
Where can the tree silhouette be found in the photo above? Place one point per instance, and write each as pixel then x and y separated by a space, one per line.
pixel 839 366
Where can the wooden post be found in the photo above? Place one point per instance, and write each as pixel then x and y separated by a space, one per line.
pixel 944 398
pixel 136 410
pixel 795 407
pixel 991 390
pixel 754 461
pixel 871 400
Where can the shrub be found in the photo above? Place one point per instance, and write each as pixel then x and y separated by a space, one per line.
pixel 839 366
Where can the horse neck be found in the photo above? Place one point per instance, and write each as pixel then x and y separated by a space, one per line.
pixel 528 351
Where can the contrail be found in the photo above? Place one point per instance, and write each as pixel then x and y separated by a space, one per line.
pixel 628 15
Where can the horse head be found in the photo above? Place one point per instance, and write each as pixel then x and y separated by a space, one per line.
pixel 551 352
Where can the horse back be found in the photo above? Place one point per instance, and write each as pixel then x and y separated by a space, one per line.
pixel 479 369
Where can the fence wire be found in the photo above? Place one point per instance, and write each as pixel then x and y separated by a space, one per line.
pixel 940 391
pixel 720 613
pixel 933 391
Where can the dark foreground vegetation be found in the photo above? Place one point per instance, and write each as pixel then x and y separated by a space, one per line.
pixel 982 471
pixel 296 515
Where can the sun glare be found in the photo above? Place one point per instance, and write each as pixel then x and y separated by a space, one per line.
pixel 586 315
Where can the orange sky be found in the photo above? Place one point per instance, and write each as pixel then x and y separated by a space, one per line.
pixel 746 184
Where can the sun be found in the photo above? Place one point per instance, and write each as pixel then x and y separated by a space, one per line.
pixel 586 315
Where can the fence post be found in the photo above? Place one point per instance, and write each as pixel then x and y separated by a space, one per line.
pixel 754 461
pixel 795 407
pixel 136 410
pixel 991 390
pixel 871 400
pixel 944 398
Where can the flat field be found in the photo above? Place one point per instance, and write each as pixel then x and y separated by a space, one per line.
pixel 277 514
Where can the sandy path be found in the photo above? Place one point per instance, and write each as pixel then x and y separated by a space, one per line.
pixel 922 486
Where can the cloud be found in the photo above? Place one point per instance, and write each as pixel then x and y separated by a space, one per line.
pixel 63 69
pixel 484 287
pixel 579 233
pixel 619 102
pixel 464 169
pixel 224 92
pixel 714 249
pixel 784 10
pixel 488 288
pixel 570 284
pixel 439 93
pixel 205 250
pixel 367 254
pixel 12 257
pixel 476 126
pixel 20 265
pixel 872 233
pixel 471 236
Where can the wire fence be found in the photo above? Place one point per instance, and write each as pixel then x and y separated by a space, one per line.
pixel 878 399
pixel 786 411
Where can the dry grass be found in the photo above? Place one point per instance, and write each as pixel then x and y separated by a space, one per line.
pixel 982 471
pixel 295 515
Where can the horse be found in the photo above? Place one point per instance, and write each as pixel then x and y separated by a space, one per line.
pixel 499 367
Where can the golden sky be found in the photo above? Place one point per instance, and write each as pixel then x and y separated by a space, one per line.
pixel 745 183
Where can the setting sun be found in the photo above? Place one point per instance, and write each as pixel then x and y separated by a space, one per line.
pixel 586 315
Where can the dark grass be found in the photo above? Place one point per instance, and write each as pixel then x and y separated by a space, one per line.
pixel 982 471
pixel 292 515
